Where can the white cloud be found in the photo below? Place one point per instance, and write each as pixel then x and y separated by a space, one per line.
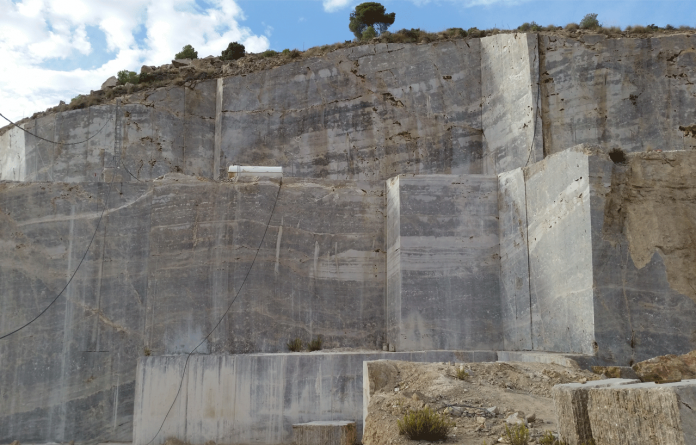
pixel 335 5
pixel 34 32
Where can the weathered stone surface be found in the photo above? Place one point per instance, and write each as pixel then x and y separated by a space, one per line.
pixel 514 261
pixel 110 83
pixel 366 112
pixel 643 210
pixel 328 432
pixel 12 153
pixel 643 414
pixel 276 391
pixel 511 117
pixel 448 259
pixel 608 92
pixel 560 252
pixel 167 260
pixel 570 400
pixel 667 368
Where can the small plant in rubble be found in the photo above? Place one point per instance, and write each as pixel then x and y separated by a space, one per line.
pixel 462 374
pixel 517 434
pixel 295 345
pixel 316 344
pixel 425 424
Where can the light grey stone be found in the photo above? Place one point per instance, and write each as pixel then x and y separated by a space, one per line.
pixel 510 90
pixel 109 83
pixel 447 247
pixel 145 69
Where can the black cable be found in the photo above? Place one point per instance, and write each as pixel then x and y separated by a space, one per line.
pixel 126 168
pixel 183 375
pixel 54 142
pixel 536 118
pixel 106 204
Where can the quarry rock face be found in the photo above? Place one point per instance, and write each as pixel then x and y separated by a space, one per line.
pixel 511 193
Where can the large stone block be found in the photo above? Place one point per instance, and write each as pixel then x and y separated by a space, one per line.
pixel 443 289
pixel 326 432
pixel 570 401
pixel 275 391
pixel 644 414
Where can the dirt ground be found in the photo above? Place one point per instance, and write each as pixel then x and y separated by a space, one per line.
pixel 397 387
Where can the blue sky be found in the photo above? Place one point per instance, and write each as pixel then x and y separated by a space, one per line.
pixel 53 50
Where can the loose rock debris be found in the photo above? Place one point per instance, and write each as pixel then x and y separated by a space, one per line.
pixel 492 396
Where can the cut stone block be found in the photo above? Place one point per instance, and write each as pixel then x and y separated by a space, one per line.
pixel 570 400
pixel 333 432
pixel 645 413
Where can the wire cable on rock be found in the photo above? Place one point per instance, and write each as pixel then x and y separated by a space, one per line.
pixel 188 357
pixel 96 229
pixel 54 142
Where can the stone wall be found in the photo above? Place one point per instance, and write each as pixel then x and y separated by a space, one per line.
pixel 448 263
pixel 256 398
pixel 629 93
pixel 166 262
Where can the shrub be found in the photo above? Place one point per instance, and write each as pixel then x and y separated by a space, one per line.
pixel 572 27
pixel 269 53
pixel 517 434
pixel 187 52
pixel 533 26
pixel 126 76
pixel 293 54
pixel 589 22
pixel 295 345
pixel 234 51
pixel 316 344
pixel 455 32
pixel 669 27
pixel 369 33
pixel 475 32
pixel 425 424
pixel 76 99
pixel 462 374
pixel 549 439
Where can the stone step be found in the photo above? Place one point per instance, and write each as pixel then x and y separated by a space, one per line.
pixel 326 432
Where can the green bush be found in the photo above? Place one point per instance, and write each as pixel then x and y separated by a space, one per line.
pixel 295 345
pixel 187 52
pixel 293 54
pixel 234 51
pixel 475 32
pixel 462 374
pixel 269 53
pixel 316 344
pixel 126 76
pixel 455 32
pixel 533 26
pixel 517 434
pixel 369 33
pixel 590 22
pixel 425 424
pixel 77 98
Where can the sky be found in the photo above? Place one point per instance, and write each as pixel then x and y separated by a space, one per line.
pixel 53 50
